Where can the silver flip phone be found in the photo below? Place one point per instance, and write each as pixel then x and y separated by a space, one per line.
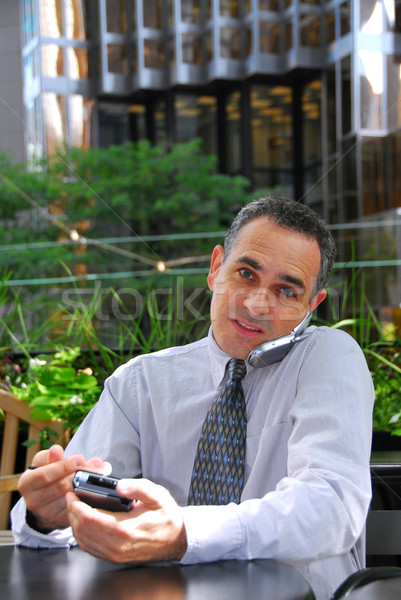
pixel 275 350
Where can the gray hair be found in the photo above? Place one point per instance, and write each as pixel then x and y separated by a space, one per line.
pixel 295 217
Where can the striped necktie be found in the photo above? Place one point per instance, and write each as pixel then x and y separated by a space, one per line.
pixel 218 473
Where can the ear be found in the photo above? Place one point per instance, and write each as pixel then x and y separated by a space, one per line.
pixel 316 300
pixel 215 264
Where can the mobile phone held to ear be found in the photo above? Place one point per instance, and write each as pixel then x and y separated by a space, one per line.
pixel 275 350
pixel 99 491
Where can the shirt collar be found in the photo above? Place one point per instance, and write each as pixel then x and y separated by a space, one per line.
pixel 218 360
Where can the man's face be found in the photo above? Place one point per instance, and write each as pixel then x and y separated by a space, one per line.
pixel 263 288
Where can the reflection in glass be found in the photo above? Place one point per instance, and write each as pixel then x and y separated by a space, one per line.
pixel 209 46
pixel 152 13
pixel 153 54
pixel 80 112
pixel 191 48
pixel 230 43
pixel 233 133
pixel 196 118
pixel 116 16
pixel 78 64
pixel 190 11
pixel 330 28
pixel 52 60
pixel 269 36
pixel 51 18
pixel 310 31
pixel 117 59
pixel 160 122
pixel 55 121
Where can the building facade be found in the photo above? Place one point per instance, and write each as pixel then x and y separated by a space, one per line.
pixel 300 96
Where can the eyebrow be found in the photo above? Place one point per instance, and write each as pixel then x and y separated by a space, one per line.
pixel 281 277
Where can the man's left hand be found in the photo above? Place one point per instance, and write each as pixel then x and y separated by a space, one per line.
pixel 153 530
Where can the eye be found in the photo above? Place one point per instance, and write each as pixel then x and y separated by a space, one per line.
pixel 288 292
pixel 246 274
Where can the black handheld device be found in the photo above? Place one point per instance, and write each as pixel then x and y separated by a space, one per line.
pixel 275 350
pixel 100 491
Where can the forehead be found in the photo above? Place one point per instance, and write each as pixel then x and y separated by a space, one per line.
pixel 266 241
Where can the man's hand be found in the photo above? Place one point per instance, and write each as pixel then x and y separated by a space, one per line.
pixel 45 487
pixel 152 530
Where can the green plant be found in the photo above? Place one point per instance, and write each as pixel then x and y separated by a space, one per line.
pixel 56 389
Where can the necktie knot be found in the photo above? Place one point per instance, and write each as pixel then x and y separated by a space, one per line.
pixel 236 368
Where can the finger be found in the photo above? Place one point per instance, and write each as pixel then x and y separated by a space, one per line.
pixel 143 490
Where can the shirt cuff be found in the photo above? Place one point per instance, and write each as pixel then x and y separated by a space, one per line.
pixel 28 537
pixel 213 533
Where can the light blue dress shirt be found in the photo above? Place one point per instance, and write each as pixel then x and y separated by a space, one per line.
pixel 307 479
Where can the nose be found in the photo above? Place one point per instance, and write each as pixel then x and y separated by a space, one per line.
pixel 258 303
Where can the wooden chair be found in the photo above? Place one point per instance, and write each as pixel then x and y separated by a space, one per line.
pixel 16 411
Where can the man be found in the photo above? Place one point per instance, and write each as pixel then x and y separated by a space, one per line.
pixel 306 483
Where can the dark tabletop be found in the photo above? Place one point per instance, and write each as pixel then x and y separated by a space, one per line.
pixel 27 574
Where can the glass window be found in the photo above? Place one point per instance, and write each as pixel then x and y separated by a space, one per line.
pixel 230 43
pixel 373 176
pixel 29 24
pixel 80 113
pixel 288 35
pixel 34 131
pixel 310 31
pixel 331 115
pixel 346 94
pixel 154 54
pixel 51 18
pixel 171 46
pixel 371 88
pixel 229 8
pixel 78 20
pixel 117 59
pixel 330 28
pixel 394 91
pixel 395 179
pixel 311 99
pixel 272 148
pixel 152 13
pixel 272 5
pixel 345 18
pixel 78 64
pixel 55 121
pixel 116 16
pixel 190 11
pixel 137 115
pixel 233 133
pixel 113 124
pixel 160 111
pixel 269 35
pixel 191 48
pixel 366 9
pixel 249 40
pixel 52 60
pixel 195 116
pixel 209 46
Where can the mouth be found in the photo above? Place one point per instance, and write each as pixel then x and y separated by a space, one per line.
pixel 246 328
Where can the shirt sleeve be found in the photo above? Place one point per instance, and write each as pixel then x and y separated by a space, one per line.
pixel 319 509
pixel 110 432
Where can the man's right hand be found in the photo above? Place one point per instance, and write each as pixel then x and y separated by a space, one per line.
pixel 45 487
